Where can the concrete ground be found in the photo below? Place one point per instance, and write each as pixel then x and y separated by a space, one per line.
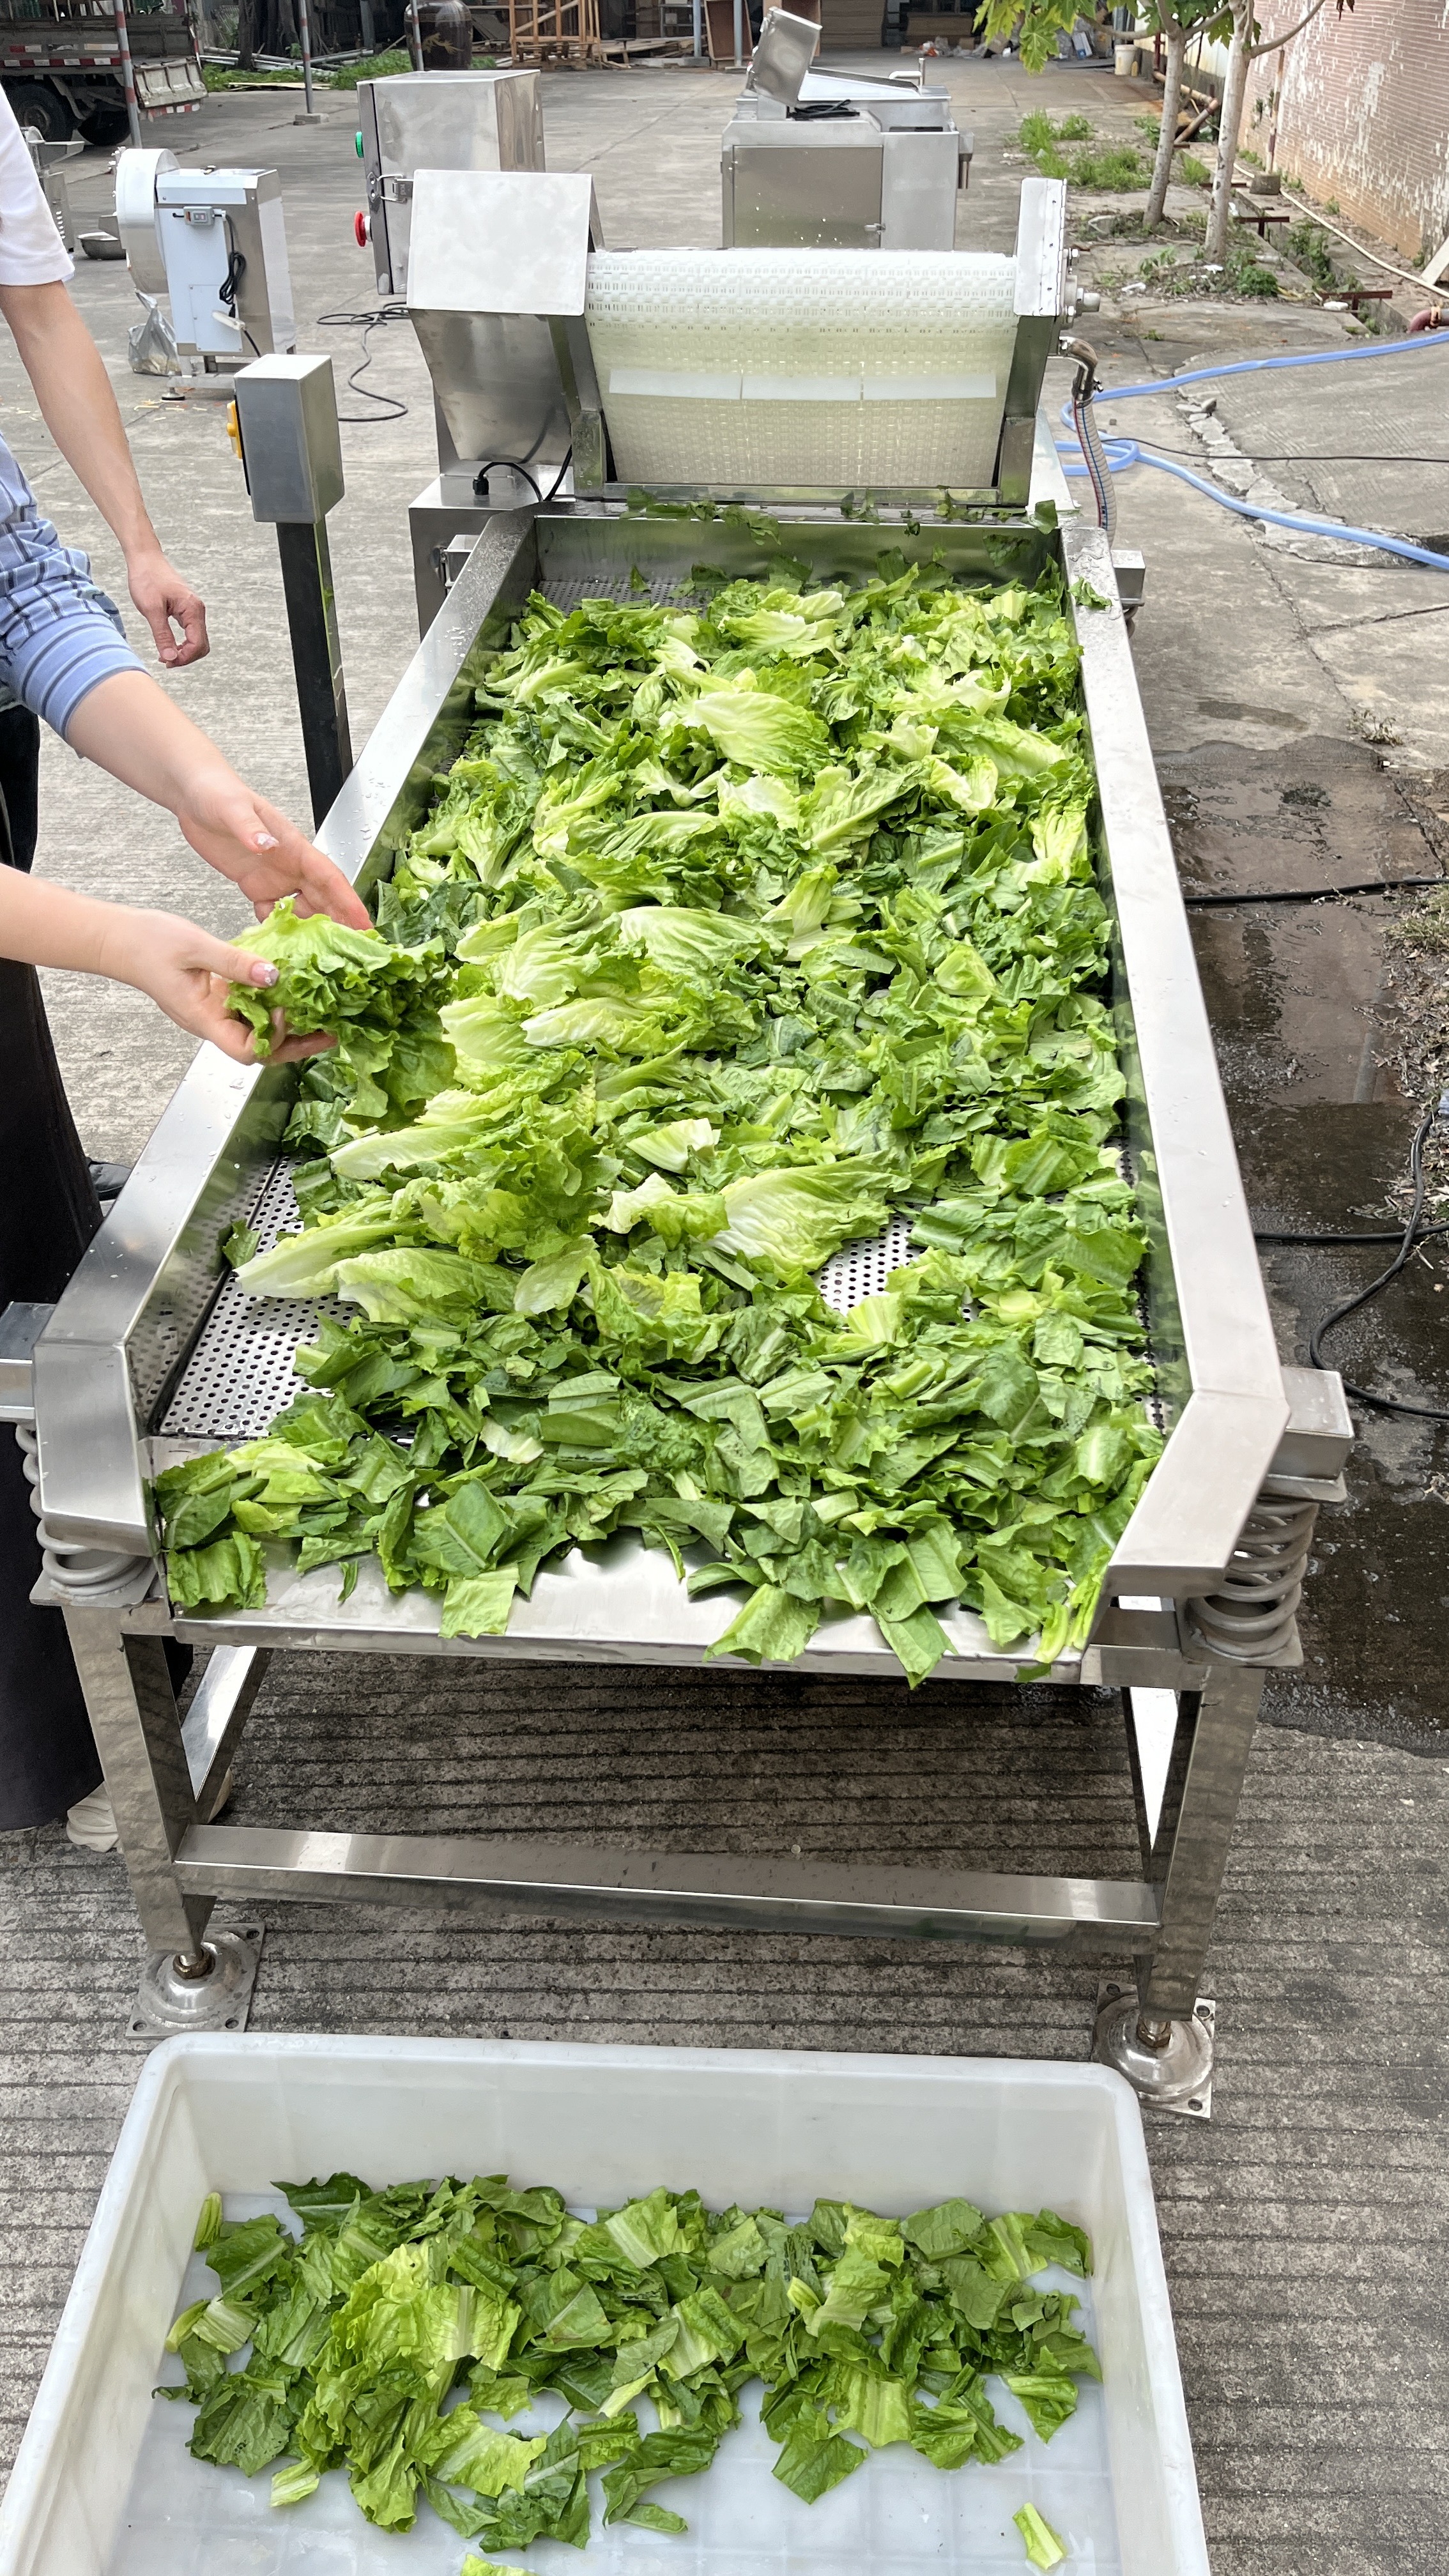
pixel 1297 708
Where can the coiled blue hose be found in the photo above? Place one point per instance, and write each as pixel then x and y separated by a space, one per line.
pixel 1123 453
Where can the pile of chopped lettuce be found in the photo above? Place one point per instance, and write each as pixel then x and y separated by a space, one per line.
pixel 407 2326
pixel 735 930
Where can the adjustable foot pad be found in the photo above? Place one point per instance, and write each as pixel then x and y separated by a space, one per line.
pixel 1176 2078
pixel 167 2001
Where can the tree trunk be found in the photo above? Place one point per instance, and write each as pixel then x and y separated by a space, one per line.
pixel 246 36
pixel 1175 38
pixel 1230 126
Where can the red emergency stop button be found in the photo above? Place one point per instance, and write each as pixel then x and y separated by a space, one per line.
pixel 362 228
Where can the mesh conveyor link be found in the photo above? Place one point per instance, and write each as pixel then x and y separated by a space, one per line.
pixel 72 1567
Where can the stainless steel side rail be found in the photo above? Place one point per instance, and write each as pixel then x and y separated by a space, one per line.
pixel 1212 1332
pixel 132 1311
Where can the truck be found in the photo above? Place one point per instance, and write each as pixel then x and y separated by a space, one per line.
pixel 60 62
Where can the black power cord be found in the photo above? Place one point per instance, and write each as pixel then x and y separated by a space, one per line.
pixel 1393 1235
pixel 515 465
pixel 1309 894
pixel 389 406
pixel 236 269
pixel 1413 1234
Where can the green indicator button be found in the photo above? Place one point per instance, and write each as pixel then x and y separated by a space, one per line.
pixel 357 139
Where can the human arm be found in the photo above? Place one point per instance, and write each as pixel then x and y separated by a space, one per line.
pixel 183 969
pixel 80 411
pixel 128 725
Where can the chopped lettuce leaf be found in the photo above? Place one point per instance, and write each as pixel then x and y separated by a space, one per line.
pixel 1042 2546
pixel 733 931
pixel 406 2326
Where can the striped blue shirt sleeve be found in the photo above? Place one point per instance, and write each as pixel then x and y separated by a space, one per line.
pixel 60 636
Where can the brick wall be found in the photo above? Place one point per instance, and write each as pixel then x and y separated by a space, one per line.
pixel 1363 115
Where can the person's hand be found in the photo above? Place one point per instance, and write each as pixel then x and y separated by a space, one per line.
pixel 187 973
pixel 244 838
pixel 166 602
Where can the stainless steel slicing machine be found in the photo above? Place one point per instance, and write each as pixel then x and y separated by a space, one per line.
pixel 846 402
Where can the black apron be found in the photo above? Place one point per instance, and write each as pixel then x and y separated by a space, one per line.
pixel 48 1213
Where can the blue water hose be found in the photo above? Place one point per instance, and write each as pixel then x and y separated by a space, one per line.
pixel 1123 453
pixel 1288 358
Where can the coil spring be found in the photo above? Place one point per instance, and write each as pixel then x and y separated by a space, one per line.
pixel 1251 1617
pixel 72 1566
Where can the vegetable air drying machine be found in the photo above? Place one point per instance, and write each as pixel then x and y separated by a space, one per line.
pixel 824 380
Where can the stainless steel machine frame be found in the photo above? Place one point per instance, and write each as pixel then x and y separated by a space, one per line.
pixel 1198 1601
pixel 414 121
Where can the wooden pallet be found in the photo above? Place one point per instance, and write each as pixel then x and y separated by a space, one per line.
pixel 542 31
pixel 719 29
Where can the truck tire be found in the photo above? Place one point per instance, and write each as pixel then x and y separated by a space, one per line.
pixel 105 124
pixel 35 103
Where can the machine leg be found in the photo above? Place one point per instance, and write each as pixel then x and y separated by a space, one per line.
pixel 1160 2036
pixel 190 1982
pixel 219 1710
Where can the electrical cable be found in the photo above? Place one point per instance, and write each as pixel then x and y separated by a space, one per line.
pixel 1309 894
pixel 515 465
pixel 1413 1233
pixel 1394 1235
pixel 236 269
pixel 390 406
pixel 510 465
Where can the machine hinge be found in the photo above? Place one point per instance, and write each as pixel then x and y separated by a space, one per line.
pixel 383 188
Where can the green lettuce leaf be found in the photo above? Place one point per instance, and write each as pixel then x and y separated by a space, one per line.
pixel 1039 2540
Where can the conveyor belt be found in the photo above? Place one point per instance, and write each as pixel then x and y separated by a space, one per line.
pixel 240 1372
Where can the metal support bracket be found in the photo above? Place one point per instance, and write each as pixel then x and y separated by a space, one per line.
pixel 219 1710
pixel 592 462
pixel 316 659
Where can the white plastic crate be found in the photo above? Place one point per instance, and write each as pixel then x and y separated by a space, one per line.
pixel 103 2485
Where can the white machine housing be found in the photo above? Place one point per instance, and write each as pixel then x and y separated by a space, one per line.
pixel 437 121
pixel 215 243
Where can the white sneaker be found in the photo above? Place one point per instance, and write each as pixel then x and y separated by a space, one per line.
pixel 91 1822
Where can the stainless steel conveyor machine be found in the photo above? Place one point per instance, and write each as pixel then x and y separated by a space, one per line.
pixel 153 1353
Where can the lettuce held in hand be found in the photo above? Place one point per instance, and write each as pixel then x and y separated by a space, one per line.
pixel 735 930
pixel 379 1002
pixel 325 973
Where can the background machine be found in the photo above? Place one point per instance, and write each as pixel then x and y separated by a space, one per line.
pixel 436 121
pixel 865 163
pixel 215 243
pixel 723 405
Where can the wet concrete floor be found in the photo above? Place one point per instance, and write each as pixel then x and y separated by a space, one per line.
pixel 1298 997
